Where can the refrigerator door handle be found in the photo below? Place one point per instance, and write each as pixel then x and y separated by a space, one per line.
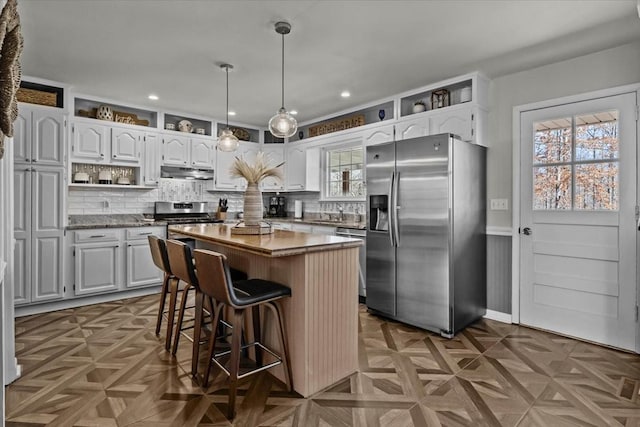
pixel 396 208
pixel 391 213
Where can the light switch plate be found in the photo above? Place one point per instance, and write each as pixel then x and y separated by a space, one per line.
pixel 499 204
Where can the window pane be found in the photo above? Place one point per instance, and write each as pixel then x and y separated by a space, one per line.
pixel 334 189
pixel 357 174
pixel 334 159
pixel 552 141
pixel 597 186
pixel 345 158
pixel 552 187
pixel 597 136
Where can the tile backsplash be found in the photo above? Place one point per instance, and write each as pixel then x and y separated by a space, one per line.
pixel 92 201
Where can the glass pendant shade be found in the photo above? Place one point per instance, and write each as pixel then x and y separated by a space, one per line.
pixel 227 141
pixel 283 125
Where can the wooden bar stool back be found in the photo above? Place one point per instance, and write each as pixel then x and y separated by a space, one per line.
pixel 181 262
pixel 216 283
pixel 160 258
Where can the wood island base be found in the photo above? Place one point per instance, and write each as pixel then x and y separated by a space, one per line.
pixel 321 317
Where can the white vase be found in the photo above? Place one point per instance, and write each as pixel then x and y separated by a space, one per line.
pixel 252 205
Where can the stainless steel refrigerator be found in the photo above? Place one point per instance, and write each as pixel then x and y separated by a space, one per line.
pixel 426 243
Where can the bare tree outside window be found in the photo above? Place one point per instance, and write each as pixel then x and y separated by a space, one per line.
pixel 576 163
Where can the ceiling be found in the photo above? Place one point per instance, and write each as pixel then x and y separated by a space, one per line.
pixel 127 49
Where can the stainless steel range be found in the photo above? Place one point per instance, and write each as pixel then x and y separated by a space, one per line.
pixel 183 213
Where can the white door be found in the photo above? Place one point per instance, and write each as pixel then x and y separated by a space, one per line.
pixel 296 168
pixel 141 270
pixel 97 268
pixel 22 135
pixel 578 219
pixel 89 141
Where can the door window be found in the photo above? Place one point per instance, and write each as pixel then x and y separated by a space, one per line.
pixel 576 163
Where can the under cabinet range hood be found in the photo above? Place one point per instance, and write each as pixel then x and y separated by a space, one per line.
pixel 186 173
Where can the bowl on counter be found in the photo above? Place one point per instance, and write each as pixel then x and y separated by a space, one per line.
pixel 123 181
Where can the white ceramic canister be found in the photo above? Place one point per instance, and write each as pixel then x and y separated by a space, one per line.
pixel 465 94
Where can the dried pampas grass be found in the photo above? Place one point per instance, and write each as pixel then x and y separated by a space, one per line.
pixel 256 172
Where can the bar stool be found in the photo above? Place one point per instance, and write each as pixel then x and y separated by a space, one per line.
pixel 169 286
pixel 215 281
pixel 181 263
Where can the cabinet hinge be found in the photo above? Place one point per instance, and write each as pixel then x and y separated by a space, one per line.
pixel 163 157
pixel 74 286
pixel 637 112
pixel 74 252
pixel 73 128
pixel 636 313
pixel 65 122
pixel 73 147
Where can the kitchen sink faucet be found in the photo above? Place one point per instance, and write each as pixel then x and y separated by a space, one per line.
pixel 340 213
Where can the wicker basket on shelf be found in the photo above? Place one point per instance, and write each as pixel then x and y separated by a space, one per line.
pixel 33 96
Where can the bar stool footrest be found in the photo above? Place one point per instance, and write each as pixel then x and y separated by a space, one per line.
pixel 220 355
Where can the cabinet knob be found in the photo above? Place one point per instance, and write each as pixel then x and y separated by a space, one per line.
pixel 101 154
pixel 34 160
pixel 114 156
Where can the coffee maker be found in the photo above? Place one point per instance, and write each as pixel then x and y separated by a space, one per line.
pixel 278 206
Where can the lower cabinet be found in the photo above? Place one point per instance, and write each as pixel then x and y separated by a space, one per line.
pixel 141 270
pixel 114 259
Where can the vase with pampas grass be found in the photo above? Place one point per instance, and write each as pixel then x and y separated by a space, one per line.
pixel 254 173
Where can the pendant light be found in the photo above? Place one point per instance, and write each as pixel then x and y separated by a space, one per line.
pixel 283 124
pixel 227 141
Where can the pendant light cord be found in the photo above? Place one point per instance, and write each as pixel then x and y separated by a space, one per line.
pixel 282 70
pixel 227 68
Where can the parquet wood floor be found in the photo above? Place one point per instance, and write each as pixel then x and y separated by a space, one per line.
pixel 102 365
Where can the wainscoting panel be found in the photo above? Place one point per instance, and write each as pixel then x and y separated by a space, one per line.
pixel 499 273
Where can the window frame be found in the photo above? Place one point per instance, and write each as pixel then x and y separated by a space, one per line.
pixel 325 173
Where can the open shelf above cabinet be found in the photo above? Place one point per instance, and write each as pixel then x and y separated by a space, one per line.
pixel 114 113
pixel 241 132
pixel 365 116
pixel 198 126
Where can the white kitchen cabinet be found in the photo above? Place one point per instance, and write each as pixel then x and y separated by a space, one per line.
pixel 97 268
pixel 113 259
pixel 323 229
pixel 224 160
pixel 38 228
pixel 275 156
pixel 125 145
pixel 378 135
pixel 175 150
pixel 40 136
pixel 302 228
pixel 151 159
pixel 202 153
pixel 188 151
pixel 412 127
pixel 458 121
pixel 89 142
pixel 141 271
pixel 303 168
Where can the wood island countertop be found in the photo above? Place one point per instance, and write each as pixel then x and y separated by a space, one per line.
pixel 277 244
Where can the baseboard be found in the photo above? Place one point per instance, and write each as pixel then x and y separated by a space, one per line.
pixel 498 316
pixel 28 310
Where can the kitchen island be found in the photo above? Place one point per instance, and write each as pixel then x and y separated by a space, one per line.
pixel 321 316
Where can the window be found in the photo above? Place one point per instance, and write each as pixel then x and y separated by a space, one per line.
pixel 576 163
pixel 344 173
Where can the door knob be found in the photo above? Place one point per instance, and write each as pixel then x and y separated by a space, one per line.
pixel 527 231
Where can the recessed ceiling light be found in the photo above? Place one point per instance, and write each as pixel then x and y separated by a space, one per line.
pixel 293 112
pixel 232 113
pixel 153 97
pixel 345 94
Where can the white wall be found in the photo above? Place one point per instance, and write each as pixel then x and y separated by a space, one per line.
pixel 609 68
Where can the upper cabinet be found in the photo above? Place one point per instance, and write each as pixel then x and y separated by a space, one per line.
pixel 125 145
pixel 88 141
pixel 378 135
pixel 275 156
pixel 456 106
pixel 39 136
pixel 303 168
pixel 223 178
pixel 187 151
pixel 151 159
